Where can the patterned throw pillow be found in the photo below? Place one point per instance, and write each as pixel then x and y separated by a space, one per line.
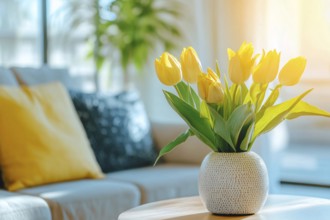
pixel 118 129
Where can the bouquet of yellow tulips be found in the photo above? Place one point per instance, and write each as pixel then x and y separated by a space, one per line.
pixel 229 117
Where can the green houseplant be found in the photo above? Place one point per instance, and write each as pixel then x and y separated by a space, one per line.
pixel 229 118
pixel 124 30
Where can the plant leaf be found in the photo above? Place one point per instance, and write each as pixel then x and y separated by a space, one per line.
pixel 223 146
pixel 248 135
pixel 303 109
pixel 228 100
pixel 195 98
pixel 221 128
pixel 169 147
pixel 217 69
pixel 184 91
pixel 257 94
pixel 199 126
pixel 205 112
pixel 269 102
pixel 244 92
pixel 233 92
pixel 180 89
pixel 240 116
pixel 261 95
pixel 254 91
pixel 276 114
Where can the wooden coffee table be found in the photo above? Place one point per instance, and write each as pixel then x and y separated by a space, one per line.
pixel 191 208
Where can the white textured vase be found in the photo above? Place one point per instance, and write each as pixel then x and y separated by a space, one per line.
pixel 233 183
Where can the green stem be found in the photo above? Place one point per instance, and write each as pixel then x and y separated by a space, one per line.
pixel 178 91
pixel 191 97
pixel 189 91
pixel 261 96
pixel 234 95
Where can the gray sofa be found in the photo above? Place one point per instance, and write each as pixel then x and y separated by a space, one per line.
pixel 119 191
pixel 102 198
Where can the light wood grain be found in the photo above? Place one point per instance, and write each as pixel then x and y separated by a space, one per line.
pixel 191 208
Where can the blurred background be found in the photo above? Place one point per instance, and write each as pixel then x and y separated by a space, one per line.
pixel 111 45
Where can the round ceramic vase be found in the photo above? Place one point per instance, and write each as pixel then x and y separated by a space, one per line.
pixel 233 183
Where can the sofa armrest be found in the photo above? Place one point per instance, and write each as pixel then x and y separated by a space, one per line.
pixel 192 151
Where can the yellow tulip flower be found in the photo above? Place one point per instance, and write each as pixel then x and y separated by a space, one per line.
pixel 241 63
pixel 209 87
pixel 190 65
pixel 292 71
pixel 267 68
pixel 235 70
pixel 168 69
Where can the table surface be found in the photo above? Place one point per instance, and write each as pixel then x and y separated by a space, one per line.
pixel 277 207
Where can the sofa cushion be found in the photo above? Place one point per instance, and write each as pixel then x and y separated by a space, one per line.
pixel 161 182
pixel 7 78
pixel 35 76
pixel 42 140
pixel 87 199
pixel 14 206
pixel 118 129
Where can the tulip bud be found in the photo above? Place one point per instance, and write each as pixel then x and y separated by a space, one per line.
pixel 212 75
pixel 209 87
pixel 235 69
pixel 190 65
pixel 168 69
pixel 292 71
pixel 215 93
pixel 267 68
pixel 241 63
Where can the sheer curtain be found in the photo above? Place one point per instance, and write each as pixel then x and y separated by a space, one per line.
pixel 294 27
pixel 212 26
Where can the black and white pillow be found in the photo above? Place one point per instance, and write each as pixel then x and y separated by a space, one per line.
pixel 118 129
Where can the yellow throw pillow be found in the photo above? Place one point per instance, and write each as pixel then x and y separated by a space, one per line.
pixel 41 138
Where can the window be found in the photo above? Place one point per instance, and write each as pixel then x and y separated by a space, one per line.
pixel 67 46
pixel 21 39
pixel 19 35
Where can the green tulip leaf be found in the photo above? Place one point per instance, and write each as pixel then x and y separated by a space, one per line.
pixel 228 101
pixel 257 94
pixel 198 125
pixel 305 109
pixel 205 112
pixel 233 90
pixel 182 91
pixel 244 92
pixel 261 95
pixel 269 102
pixel 248 96
pixel 247 137
pixel 223 145
pixel 217 69
pixel 169 147
pixel 254 91
pixel 274 115
pixel 195 98
pixel 188 94
pixel 240 116
pixel 221 128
